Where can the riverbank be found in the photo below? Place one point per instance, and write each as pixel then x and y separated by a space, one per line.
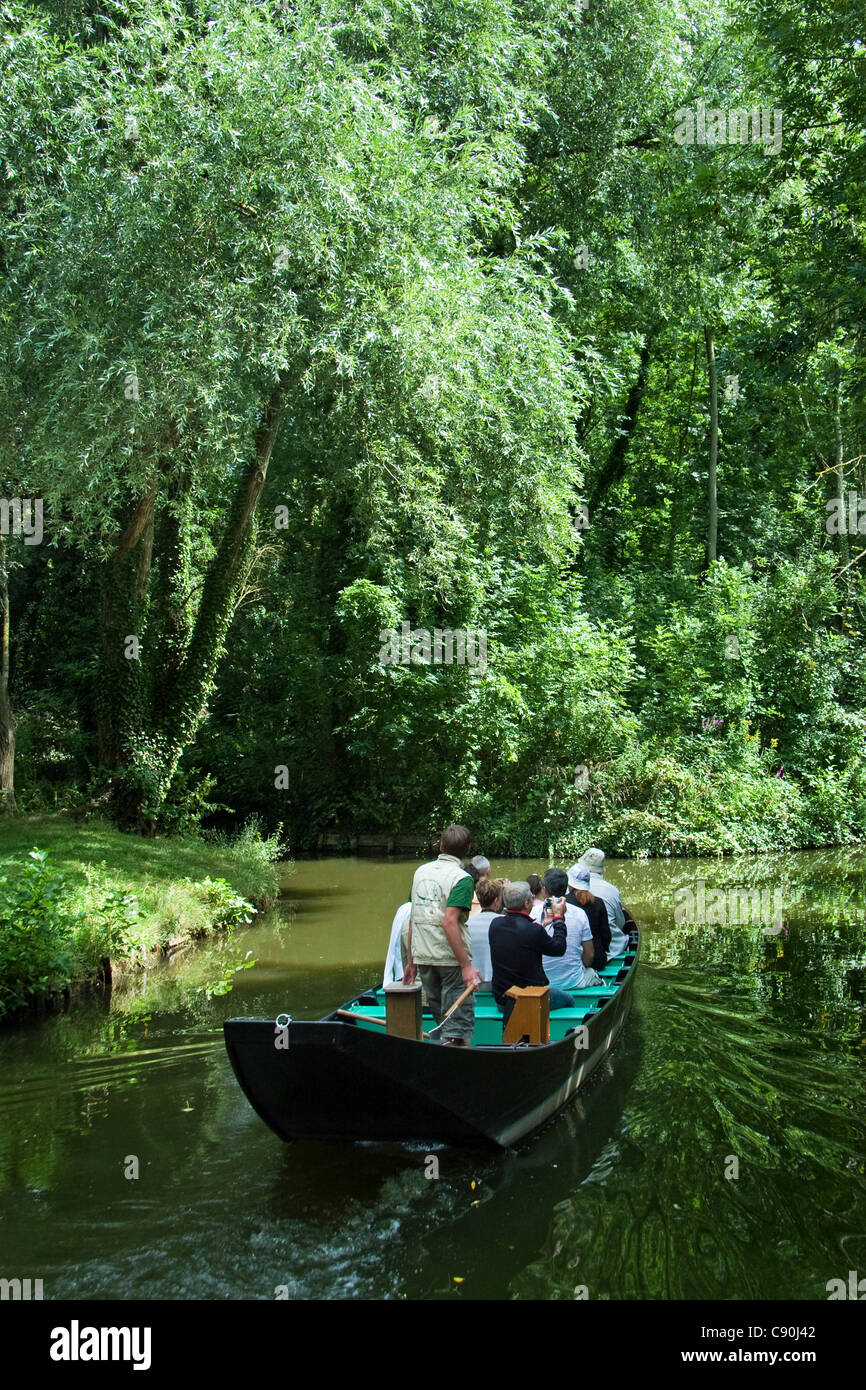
pixel 81 901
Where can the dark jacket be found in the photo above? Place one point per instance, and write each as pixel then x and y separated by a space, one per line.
pixel 516 947
pixel 599 925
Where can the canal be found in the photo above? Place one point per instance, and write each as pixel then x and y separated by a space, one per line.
pixel 720 1152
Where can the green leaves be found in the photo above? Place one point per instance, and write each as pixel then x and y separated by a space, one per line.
pixel 379 209
pixel 37 928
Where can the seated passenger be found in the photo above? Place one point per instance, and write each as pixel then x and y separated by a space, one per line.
pixel 395 961
pixel 593 859
pixel 490 897
pixel 579 896
pixel 517 945
pixel 474 873
pixel 538 896
pixel 575 969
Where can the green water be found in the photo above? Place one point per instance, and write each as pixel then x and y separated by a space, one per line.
pixel 740 1047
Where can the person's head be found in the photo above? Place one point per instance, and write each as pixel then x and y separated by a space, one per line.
pixel 593 859
pixel 578 878
pixel 518 896
pixel 471 870
pixel 535 884
pixel 556 883
pixel 490 894
pixel 482 865
pixel 455 840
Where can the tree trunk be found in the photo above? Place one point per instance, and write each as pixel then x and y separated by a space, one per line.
pixel 838 491
pixel 614 466
pixel 712 484
pixel 172 598
pixel 7 722
pixel 684 426
pixel 121 702
pixel 152 705
pixel 195 677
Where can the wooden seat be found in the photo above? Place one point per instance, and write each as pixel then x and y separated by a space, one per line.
pixel 530 1016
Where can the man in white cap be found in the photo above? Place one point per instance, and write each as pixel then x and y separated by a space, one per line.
pixel 593 860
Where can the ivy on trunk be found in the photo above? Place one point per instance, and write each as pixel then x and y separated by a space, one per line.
pixel 159 658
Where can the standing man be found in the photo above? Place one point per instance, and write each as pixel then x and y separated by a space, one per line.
pixel 593 859
pixel 439 944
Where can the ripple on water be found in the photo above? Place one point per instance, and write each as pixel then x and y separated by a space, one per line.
pixel 739 1148
pixel 754 1054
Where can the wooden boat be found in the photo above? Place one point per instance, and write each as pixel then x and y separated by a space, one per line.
pixel 338 1078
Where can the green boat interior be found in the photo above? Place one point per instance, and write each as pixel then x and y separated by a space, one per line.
pixel 488 1019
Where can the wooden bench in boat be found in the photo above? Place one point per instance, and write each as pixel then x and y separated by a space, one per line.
pixel 488 1018
pixel 530 1016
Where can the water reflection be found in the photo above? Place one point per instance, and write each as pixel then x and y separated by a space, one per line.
pixel 740 1046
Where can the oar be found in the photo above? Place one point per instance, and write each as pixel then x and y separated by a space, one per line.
pixel 368 1018
pixel 470 989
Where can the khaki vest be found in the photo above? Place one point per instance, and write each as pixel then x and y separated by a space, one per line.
pixel 431 888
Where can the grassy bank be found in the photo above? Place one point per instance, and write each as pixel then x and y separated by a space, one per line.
pixel 73 894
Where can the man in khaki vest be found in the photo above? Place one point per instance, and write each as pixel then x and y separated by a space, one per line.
pixel 439 945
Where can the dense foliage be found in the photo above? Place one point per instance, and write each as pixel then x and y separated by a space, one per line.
pixel 320 322
pixel 62 915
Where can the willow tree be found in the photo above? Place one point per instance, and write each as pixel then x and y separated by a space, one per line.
pixel 196 226
pixel 7 721
pixel 218 229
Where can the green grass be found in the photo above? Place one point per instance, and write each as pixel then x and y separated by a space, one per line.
pixel 162 873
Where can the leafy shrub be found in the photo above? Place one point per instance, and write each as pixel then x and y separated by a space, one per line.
pixel 50 752
pixel 52 932
pixel 230 909
pixel 187 802
pixel 36 932
pixel 252 856
pixel 108 924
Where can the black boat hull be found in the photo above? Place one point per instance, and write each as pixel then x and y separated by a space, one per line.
pixel 336 1080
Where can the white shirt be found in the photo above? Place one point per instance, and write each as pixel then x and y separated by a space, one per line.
pixel 394 960
pixel 610 896
pixel 479 938
pixel 567 972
